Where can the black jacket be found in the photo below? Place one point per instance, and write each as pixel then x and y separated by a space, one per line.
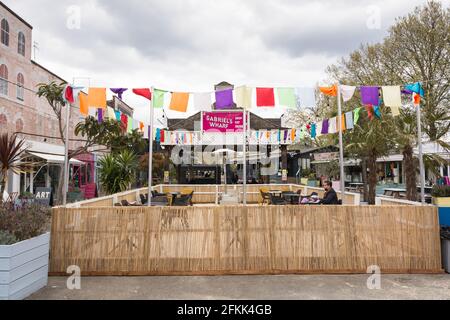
pixel 330 198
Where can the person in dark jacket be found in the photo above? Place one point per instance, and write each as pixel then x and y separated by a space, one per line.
pixel 330 197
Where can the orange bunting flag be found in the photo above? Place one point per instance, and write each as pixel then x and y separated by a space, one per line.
pixel 97 98
pixel 84 104
pixel 180 101
pixel 343 127
pixel 329 91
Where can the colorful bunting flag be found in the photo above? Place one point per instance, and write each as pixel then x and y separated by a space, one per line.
pixel 347 92
pixel 287 98
pixel 332 125
pixel 265 97
pixel 68 94
pixel 356 113
pixel 349 120
pixel 306 97
pixel 244 97
pixel 97 98
pixel 180 101
pixel 144 92
pixel 118 116
pixel 313 131
pixel 370 113
pixel 377 111
pixel 100 115
pixel 224 99
pixel 392 96
pixel 158 96
pixel 325 126
pixel 329 91
pixel 111 113
pixel 417 88
pixel 118 91
pixel 370 95
pixel 84 104
pixel 202 101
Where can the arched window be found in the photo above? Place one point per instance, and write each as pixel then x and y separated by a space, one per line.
pixel 5 32
pixel 21 44
pixel 20 86
pixel 4 79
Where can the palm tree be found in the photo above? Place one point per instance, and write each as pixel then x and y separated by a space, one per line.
pixel 12 154
pixel 117 172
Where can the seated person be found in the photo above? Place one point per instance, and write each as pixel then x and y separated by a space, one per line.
pixel 330 197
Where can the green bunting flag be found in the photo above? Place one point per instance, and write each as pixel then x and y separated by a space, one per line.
pixel 158 95
pixel 357 111
pixel 287 97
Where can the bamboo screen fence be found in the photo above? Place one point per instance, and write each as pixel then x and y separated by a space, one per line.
pixel 220 240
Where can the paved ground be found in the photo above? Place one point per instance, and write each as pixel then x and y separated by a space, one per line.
pixel 250 288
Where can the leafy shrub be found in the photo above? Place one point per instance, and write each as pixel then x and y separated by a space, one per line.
pixel 441 191
pixel 24 222
pixel 6 238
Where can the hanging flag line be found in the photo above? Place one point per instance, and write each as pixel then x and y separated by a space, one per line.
pixel 244 97
pixel 94 103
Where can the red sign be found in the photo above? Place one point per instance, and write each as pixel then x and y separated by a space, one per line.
pixel 223 122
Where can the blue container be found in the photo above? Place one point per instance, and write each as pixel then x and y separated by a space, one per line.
pixel 444 216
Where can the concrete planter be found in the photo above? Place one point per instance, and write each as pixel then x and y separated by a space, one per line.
pixel 24 267
pixel 446 255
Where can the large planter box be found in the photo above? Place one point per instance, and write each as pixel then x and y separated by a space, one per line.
pixel 444 210
pixel 446 255
pixel 442 202
pixel 24 268
pixel 313 183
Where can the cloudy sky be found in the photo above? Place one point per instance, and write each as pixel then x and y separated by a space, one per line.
pixel 190 45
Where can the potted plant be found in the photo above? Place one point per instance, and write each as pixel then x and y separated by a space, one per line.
pixel 24 249
pixel 445 238
pixel 312 181
pixel 441 196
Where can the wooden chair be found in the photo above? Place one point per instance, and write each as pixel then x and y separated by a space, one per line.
pixel 264 196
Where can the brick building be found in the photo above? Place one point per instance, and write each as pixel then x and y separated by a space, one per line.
pixel 21 111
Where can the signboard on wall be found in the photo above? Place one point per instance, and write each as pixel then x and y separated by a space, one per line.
pixel 329 156
pixel 43 196
pixel 224 122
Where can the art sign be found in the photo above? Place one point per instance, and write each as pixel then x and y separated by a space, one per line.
pixel 224 122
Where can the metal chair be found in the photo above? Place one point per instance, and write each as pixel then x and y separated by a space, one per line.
pixel 265 197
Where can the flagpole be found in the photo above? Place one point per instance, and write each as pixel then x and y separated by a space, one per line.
pixel 66 156
pixel 150 151
pixel 421 163
pixel 341 144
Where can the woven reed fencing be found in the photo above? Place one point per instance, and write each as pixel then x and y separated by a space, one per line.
pixel 221 240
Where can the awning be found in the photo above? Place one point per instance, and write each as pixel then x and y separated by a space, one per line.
pixel 51 158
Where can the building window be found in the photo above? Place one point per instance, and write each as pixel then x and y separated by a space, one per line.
pixel 3 119
pixel 20 86
pixel 19 125
pixel 21 45
pixel 5 32
pixel 4 80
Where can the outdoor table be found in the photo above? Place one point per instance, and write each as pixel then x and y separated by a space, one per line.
pixel 292 198
pixel 394 192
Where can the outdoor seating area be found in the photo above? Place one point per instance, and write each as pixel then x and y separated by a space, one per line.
pixel 167 198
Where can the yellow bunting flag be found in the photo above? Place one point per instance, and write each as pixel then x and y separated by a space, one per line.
pixel 180 101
